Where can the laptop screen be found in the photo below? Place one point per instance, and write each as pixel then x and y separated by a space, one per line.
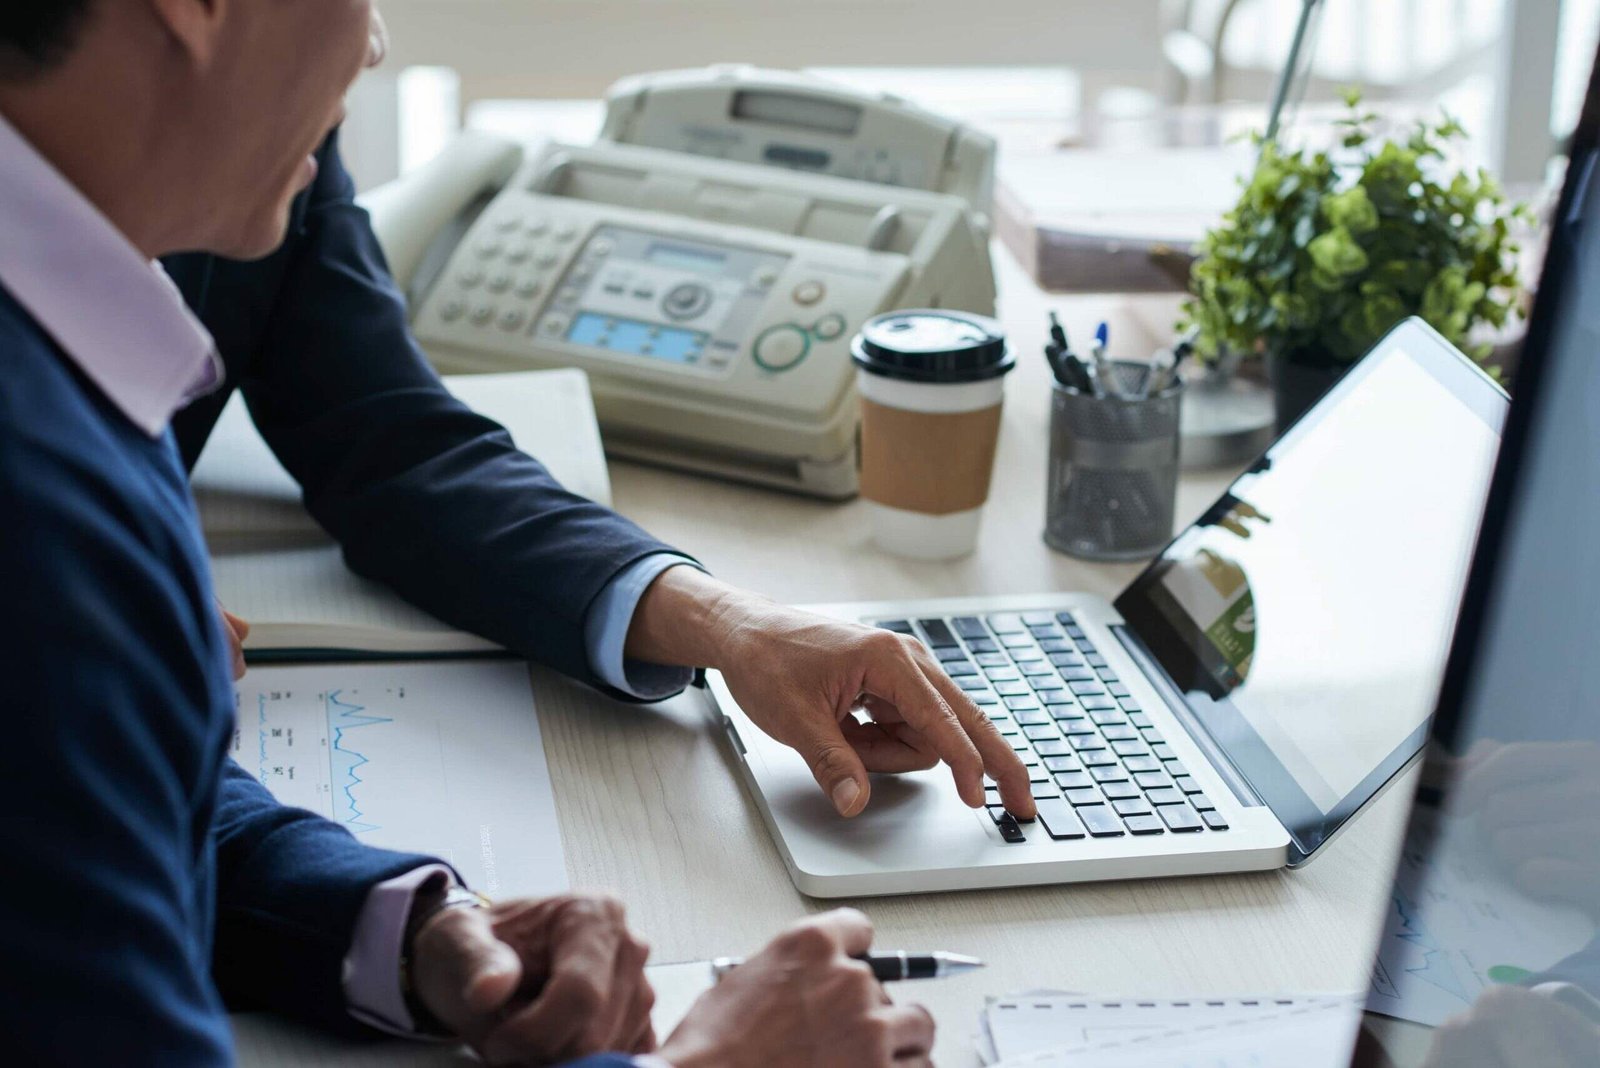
pixel 1499 883
pixel 1306 616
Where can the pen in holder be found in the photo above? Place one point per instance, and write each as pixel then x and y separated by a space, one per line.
pixel 1113 478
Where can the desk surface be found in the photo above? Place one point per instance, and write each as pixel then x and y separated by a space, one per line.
pixel 652 807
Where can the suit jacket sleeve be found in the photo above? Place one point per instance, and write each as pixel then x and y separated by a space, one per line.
pixel 423 494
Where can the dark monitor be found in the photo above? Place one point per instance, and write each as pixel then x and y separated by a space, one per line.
pixel 1489 954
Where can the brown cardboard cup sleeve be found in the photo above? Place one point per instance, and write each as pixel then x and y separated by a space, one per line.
pixel 935 463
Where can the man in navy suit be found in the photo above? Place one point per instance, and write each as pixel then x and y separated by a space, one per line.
pixel 149 880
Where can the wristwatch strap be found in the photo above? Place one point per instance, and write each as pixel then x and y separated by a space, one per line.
pixel 428 904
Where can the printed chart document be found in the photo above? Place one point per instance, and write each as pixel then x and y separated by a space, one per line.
pixel 1057 1031
pixel 437 757
pixel 1455 928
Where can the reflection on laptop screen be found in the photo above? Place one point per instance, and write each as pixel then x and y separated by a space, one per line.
pixel 1309 614
pixel 1498 888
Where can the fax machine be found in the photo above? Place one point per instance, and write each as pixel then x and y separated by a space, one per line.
pixel 706 261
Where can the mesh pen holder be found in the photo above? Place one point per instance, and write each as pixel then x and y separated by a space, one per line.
pixel 1113 478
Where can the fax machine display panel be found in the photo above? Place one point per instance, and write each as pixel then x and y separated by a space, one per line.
pixel 671 299
pixel 1307 614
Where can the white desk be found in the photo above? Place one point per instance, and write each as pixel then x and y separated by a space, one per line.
pixel 651 806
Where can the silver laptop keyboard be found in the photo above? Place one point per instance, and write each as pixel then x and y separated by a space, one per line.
pixel 1099 766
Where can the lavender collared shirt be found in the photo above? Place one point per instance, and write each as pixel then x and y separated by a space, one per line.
pixel 124 324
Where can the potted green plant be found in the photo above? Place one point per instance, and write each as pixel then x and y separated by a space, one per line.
pixel 1325 251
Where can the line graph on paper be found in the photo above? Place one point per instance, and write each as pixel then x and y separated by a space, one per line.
pixel 441 758
pixel 352 754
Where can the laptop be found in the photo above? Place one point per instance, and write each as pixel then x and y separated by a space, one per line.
pixel 1254 688
pixel 1499 882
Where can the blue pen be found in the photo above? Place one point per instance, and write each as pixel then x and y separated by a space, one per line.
pixel 1102 365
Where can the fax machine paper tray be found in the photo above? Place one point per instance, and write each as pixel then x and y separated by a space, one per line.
pixel 832 479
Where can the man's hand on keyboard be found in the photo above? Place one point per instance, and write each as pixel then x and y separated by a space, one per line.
pixel 802 677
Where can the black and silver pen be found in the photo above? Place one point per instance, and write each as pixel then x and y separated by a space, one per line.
pixel 889 967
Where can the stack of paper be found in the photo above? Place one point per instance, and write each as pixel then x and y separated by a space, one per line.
pixel 1051 1030
pixel 274 567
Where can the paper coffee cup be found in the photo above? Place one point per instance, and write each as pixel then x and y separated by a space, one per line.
pixel 931 385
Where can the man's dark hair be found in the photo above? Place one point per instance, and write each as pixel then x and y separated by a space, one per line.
pixel 37 34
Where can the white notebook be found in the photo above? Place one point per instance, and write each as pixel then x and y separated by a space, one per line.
pixel 275 568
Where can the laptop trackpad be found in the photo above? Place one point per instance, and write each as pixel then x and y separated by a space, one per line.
pixel 905 811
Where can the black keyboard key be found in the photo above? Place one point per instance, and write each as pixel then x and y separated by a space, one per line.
pixel 983 645
pixel 950 653
pixel 1183 782
pixel 1128 704
pixel 1002 674
pixel 1028 657
pixel 1033 716
pixel 1065 659
pixel 1201 802
pixel 1077 674
pixel 1095 659
pixel 1117 791
pixel 1163 751
pixel 1101 821
pixel 1153 780
pixel 1035 669
pixel 1055 646
pixel 1053 748
pixel 939 633
pixel 1010 830
pixel 1016 641
pixel 1066 619
pixel 1061 763
pixel 1165 796
pixel 1058 697
pixel 899 626
pixel 991 795
pixel 957 668
pixel 1067 716
pixel 1005 624
pixel 1097 701
pixel 1214 820
pixel 1043 683
pixel 1076 725
pixel 969 627
pixel 989 660
pixel 1180 818
pixel 1112 680
pixel 1006 727
pixel 1132 806
pixel 1044 632
pixel 1073 629
pixel 1121 732
pixel 1140 719
pixel 1175 768
pixel 1074 780
pixel 1085 689
pixel 1085 743
pixel 1133 749
pixel 1105 717
pixel 1029 758
pixel 1109 773
pixel 985 698
pixel 1041 731
pixel 1058 819
pixel 1020 705
pixel 1137 763
pixel 1145 824
pixel 972 682
pixel 1098 758
pixel 1038 774
pixel 1152 736
pixel 1042 790
pixel 1012 688
pixel 1038 619
pixel 1019 743
pixel 1116 689
pixel 1087 795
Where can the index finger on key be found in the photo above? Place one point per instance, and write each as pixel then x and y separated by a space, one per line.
pixel 901 680
pixel 1000 761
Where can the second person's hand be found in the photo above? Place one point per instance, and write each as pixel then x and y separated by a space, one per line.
pixel 801 677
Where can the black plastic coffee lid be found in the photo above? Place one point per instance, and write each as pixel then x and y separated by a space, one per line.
pixel 932 345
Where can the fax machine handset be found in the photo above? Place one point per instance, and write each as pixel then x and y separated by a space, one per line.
pixel 802 122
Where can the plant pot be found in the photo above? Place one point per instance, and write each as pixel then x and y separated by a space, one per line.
pixel 1299 379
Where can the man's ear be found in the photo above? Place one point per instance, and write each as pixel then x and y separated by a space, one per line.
pixel 194 25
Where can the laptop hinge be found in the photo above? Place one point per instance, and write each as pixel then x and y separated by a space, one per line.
pixel 1158 678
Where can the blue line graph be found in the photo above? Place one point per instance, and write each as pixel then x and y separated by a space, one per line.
pixel 343 717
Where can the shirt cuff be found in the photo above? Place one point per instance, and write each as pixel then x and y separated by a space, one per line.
pixel 372 968
pixel 648 1060
pixel 605 633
